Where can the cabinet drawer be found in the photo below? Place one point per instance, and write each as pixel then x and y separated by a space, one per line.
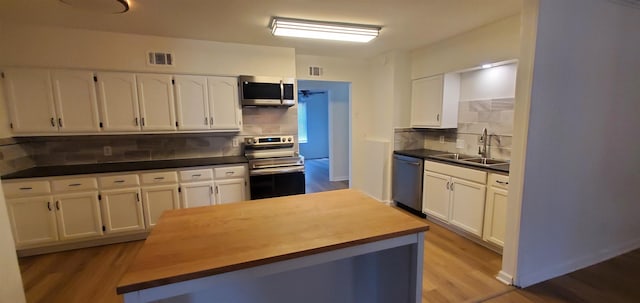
pixel 229 172
pixel 75 184
pixel 27 188
pixel 119 181
pixel 499 181
pixel 196 175
pixel 160 177
pixel 457 171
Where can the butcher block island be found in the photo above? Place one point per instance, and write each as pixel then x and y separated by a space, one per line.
pixel 337 246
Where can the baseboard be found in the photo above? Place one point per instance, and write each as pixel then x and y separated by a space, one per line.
pixel 25 252
pixel 524 280
pixel 505 278
pixel 338 179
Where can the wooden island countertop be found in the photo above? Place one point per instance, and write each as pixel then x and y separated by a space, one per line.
pixel 198 242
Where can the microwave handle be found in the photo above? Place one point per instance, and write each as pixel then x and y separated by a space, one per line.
pixel 281 92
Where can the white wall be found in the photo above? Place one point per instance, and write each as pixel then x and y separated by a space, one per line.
pixel 338 95
pixel 495 42
pixel 580 194
pixel 10 280
pixel 490 83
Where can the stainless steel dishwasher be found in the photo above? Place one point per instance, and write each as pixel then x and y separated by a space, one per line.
pixel 407 183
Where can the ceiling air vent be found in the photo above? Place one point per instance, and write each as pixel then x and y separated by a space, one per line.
pixel 315 71
pixel 629 3
pixel 160 58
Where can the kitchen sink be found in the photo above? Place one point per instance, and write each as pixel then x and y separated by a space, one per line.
pixel 471 160
pixel 453 156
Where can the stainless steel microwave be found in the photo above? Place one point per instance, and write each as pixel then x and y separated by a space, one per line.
pixel 266 91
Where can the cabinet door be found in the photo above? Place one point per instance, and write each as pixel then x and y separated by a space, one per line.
pixel 118 97
pixel 435 195
pixel 495 216
pixel 157 199
pixel 196 194
pixel 30 100
pixel 33 220
pixel 78 215
pixel 157 106
pixel 224 106
pixel 426 101
pixel 122 210
pixel 192 102
pixel 76 102
pixel 467 205
pixel 231 190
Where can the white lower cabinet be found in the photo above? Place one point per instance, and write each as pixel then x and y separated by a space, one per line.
pixel 496 209
pixel 33 220
pixel 231 190
pixel 157 199
pixel 78 215
pixel 195 194
pixel 455 195
pixel 122 210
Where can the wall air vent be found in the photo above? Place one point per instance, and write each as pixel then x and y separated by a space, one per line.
pixel 315 71
pixel 160 58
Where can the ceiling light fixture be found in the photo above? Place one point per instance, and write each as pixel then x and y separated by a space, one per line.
pixel 100 6
pixel 486 65
pixel 323 30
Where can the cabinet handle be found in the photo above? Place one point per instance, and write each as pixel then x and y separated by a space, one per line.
pixel 26 188
pixel 211 188
pixel 138 197
pixel 438 117
pixel 502 182
pixel 136 121
pixel 211 120
pixel 451 186
pixel 60 122
pixel 447 185
pixel 118 181
pixel 158 178
pixel 49 205
pixel 58 205
pixel 217 191
pixel 206 121
pixel 142 121
pixel 229 173
pixel 53 122
pixel 196 175
pixel 75 184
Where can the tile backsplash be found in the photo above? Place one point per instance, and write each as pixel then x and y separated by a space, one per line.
pixel 14 156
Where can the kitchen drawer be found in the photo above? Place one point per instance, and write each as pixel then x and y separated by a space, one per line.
pixel 196 175
pixel 75 184
pixel 229 172
pixel 160 178
pixel 470 174
pixel 26 188
pixel 119 181
pixel 499 181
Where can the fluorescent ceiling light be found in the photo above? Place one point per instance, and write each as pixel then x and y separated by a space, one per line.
pixel 486 65
pixel 323 30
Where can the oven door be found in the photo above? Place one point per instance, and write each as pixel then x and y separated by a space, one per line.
pixel 277 184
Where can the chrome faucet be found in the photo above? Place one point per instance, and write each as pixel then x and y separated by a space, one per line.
pixel 482 150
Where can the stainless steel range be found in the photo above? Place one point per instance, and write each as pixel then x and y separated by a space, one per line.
pixel 275 168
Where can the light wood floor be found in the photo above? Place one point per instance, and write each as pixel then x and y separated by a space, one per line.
pixel 455 270
pixel 317 177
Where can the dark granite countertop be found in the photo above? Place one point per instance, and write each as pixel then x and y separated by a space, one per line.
pixel 96 168
pixel 427 154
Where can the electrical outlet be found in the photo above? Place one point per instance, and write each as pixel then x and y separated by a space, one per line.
pixel 234 142
pixel 107 150
pixel 441 139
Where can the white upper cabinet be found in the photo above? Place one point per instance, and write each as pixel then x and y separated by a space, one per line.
pixel 30 100
pixel 118 96
pixel 76 102
pixel 192 102
pixel 157 106
pixel 224 105
pixel 434 101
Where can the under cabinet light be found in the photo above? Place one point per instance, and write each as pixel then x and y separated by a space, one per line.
pixel 323 30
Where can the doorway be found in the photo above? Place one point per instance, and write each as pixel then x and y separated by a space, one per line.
pixel 323 133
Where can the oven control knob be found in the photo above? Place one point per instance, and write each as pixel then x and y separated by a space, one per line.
pixel 289 139
pixel 255 141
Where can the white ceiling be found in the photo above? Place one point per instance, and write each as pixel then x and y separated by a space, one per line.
pixel 407 24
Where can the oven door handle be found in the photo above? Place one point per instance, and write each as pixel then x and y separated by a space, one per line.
pixel 273 171
pixel 258 166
